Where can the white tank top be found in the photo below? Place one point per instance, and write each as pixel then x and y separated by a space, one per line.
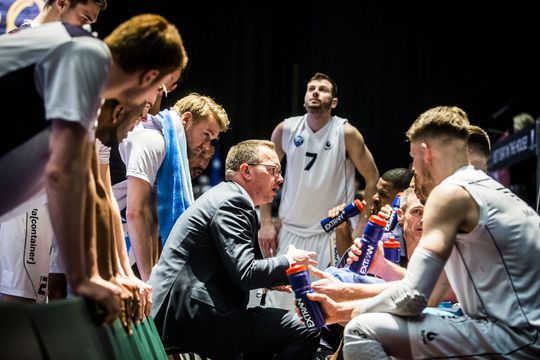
pixel 495 269
pixel 318 175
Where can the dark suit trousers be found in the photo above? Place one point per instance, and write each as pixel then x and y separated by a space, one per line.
pixel 257 333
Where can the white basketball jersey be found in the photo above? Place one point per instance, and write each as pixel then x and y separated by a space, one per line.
pixel 495 269
pixel 318 175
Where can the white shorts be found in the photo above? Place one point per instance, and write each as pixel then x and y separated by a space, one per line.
pixel 323 244
pixel 444 336
pixel 25 246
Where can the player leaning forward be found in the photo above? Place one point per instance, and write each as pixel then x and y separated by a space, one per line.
pixel 486 240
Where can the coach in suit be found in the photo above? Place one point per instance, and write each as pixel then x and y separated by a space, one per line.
pixel 212 259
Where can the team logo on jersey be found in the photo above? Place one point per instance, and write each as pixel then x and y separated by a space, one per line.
pixel 298 140
pixel 428 336
pixel 327 146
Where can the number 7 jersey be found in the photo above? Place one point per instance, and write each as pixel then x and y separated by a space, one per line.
pixel 318 174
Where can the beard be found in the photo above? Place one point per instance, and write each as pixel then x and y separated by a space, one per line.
pixel 425 186
pixel 320 108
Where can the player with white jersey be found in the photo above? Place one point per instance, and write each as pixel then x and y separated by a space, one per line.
pixel 151 176
pixel 20 276
pixel 311 156
pixel 49 147
pixel 322 152
pixel 24 263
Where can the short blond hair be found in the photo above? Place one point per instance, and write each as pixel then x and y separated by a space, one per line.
pixel 201 106
pixel 440 121
pixel 245 152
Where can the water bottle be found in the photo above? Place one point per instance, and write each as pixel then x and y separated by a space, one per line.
pixel 353 208
pixel 392 250
pixel 372 234
pixel 393 219
pixel 301 285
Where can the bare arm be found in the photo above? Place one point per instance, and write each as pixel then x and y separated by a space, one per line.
pixel 449 209
pixel 65 177
pixel 268 232
pixel 122 258
pixel 442 292
pixel 65 180
pixel 365 164
pixel 383 268
pixel 340 291
pixel 140 222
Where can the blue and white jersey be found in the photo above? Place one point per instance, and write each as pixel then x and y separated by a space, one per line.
pixel 318 176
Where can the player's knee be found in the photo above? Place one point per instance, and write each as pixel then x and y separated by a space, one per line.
pixel 357 328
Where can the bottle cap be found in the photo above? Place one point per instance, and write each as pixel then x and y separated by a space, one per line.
pixel 391 243
pixel 377 220
pixel 397 200
pixel 295 268
pixel 359 205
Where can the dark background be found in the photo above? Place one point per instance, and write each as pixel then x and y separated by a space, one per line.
pixel 391 61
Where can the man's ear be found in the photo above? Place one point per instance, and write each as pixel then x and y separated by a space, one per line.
pixel 400 216
pixel 117 113
pixel 186 117
pixel 426 152
pixel 334 103
pixel 148 77
pixel 62 5
pixel 245 171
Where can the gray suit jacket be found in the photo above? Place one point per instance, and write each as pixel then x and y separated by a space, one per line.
pixel 211 257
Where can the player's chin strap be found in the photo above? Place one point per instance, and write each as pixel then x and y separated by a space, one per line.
pixel 409 296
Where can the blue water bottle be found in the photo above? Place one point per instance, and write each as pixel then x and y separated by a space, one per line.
pixel 301 285
pixel 393 219
pixel 372 234
pixel 352 209
pixel 392 250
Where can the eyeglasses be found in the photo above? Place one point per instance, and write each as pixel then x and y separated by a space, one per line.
pixel 272 169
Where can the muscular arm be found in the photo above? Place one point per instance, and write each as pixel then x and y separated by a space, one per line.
pixel 140 221
pixel 65 177
pixel 268 232
pixel 122 258
pixel 449 209
pixel 340 291
pixel 442 292
pixel 65 182
pixel 365 164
